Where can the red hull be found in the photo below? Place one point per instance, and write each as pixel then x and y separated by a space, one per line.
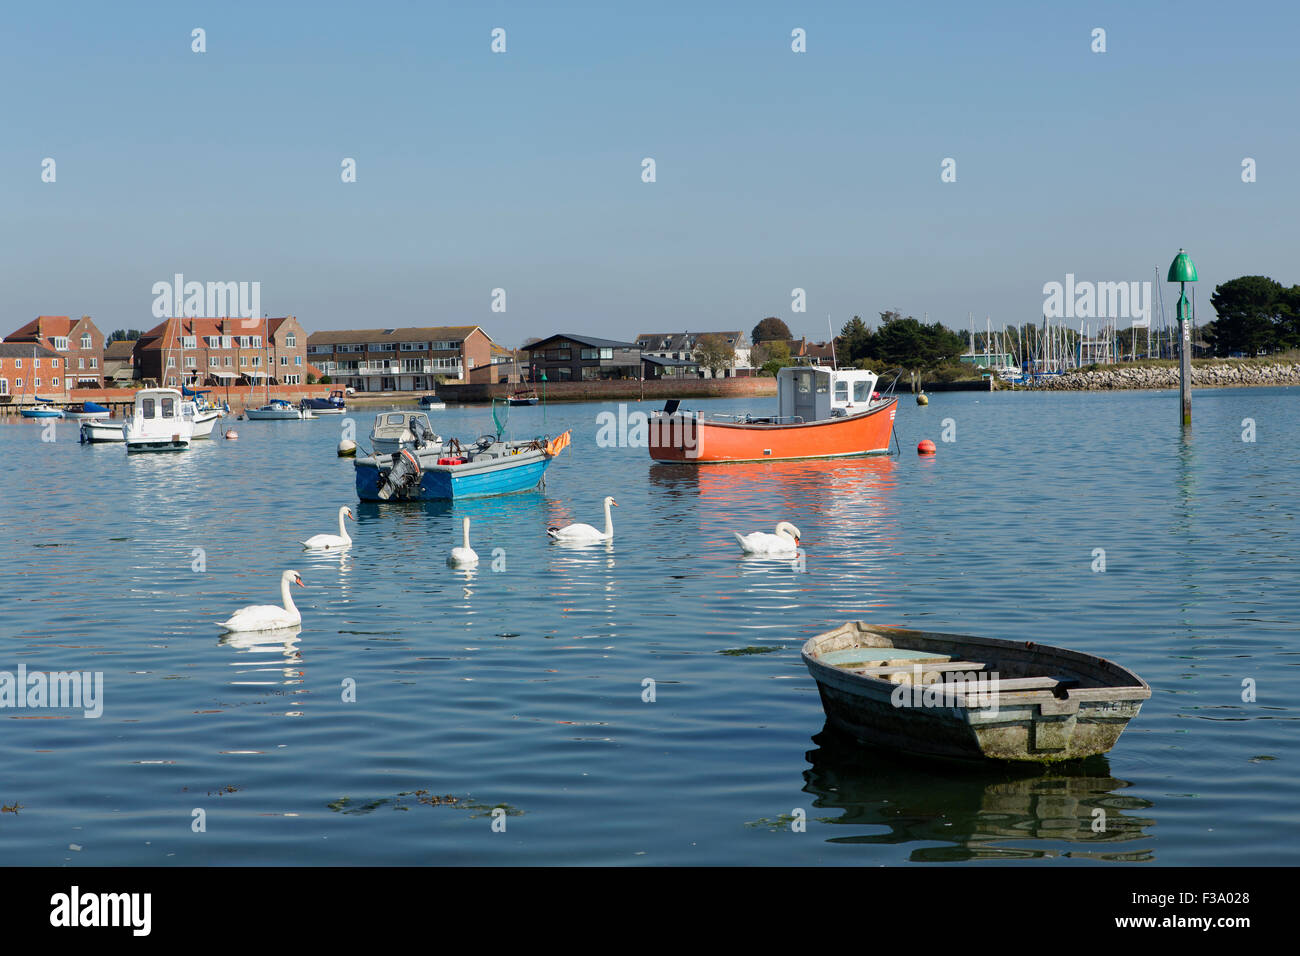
pixel 685 438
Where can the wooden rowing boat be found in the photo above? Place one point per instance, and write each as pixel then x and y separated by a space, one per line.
pixel 973 697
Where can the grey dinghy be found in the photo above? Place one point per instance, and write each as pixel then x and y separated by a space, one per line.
pixel 974 697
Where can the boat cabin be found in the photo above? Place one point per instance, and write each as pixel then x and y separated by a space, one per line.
pixel 159 404
pixel 815 393
pixel 394 429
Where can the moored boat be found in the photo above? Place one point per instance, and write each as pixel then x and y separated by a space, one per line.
pixel 277 409
pixel 159 422
pixel 821 413
pixel 393 430
pixel 86 411
pixel 42 409
pixel 437 469
pixel 432 403
pixel 100 430
pixel 972 697
pixel 334 405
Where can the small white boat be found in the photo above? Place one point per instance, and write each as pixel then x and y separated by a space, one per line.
pixel 205 419
pixel 102 430
pixel 276 410
pixel 159 422
pixel 432 403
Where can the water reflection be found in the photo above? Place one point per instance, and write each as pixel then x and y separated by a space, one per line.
pixel 974 812
pixel 264 653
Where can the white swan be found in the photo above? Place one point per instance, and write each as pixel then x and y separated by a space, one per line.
pixel 332 541
pixel 266 617
pixel 785 541
pixel 585 532
pixel 464 556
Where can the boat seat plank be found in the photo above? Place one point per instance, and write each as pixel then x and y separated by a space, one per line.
pixel 867 656
pixel 941 667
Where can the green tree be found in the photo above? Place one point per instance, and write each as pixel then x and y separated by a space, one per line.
pixel 124 335
pixel 1251 316
pixel 772 356
pixel 713 352
pixel 769 329
pixel 907 343
pixel 856 342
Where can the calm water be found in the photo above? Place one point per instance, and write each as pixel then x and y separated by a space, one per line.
pixel 523 687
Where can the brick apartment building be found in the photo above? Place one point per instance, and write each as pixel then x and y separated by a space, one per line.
pixel 27 370
pixel 77 343
pixel 228 351
pixel 402 360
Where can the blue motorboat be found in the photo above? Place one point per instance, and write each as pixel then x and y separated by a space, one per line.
pixel 429 468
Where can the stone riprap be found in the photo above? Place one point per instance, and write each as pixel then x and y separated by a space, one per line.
pixel 1203 376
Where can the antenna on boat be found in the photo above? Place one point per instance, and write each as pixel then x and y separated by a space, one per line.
pixel 831 329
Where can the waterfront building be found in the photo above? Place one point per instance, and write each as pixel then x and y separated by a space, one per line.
pixel 227 351
pixel 683 346
pixel 78 345
pixel 566 357
pixel 402 360
pixel 27 369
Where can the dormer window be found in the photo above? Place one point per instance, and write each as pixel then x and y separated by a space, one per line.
pixel 61 343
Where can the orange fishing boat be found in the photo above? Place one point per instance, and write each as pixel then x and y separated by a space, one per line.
pixel 822 413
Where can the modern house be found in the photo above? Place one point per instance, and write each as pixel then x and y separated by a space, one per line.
pixel 402 360
pixel 78 343
pixel 27 369
pixel 653 367
pixel 567 357
pixel 228 351
pixel 685 345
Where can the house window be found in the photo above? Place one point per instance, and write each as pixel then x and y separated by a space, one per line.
pixel 559 355
pixel 227 341
pixel 18 384
pixel 4 386
pixel 171 361
pixel 68 386
pixel 38 383
pixel 243 361
pixel 284 360
pixel 189 342
pixel 297 360
pixel 243 341
pixel 290 340
pixel 227 361
pixel 257 361
pixel 54 363
pixel 61 343
pixel 94 362
pixel 257 341
pixel 214 362
pixel 36 363
pixel 85 340
pixel 190 361
pixel 81 363
pixel 18 363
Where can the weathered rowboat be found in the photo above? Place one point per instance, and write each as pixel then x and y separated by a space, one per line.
pixel 974 697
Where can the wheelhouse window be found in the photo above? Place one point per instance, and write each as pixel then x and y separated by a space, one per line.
pixel 168 408
pixel 841 391
pixel 147 408
pixel 861 391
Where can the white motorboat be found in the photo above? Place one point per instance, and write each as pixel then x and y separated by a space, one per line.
pixel 275 410
pixel 159 422
pixel 86 411
pixel 204 418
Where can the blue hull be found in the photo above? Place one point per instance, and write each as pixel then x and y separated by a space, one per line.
pixel 444 483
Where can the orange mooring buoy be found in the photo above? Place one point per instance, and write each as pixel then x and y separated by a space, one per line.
pixel 925 447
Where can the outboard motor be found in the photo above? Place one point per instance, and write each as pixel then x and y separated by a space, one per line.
pixel 402 478
pixel 418 433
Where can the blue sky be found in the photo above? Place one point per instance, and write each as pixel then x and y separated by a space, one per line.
pixel 522 170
